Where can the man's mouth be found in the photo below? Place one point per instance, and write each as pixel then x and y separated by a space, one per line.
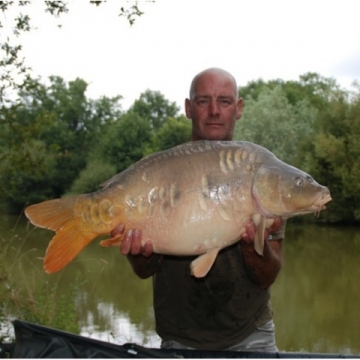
pixel 214 124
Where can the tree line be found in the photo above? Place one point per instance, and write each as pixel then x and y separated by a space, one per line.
pixel 55 142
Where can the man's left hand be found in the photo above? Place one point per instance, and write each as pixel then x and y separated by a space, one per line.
pixel 248 236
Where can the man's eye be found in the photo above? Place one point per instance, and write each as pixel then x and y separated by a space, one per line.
pixel 202 102
pixel 225 102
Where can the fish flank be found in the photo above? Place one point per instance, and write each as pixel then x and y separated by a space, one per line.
pixel 222 161
pixel 238 154
pixel 252 157
pixel 223 213
pixel 202 201
pixel 153 195
pixel 174 194
pixel 205 186
pixel 229 160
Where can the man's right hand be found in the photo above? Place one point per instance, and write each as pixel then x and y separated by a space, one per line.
pixel 131 243
pixel 143 266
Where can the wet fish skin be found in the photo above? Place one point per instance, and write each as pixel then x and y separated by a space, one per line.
pixel 193 199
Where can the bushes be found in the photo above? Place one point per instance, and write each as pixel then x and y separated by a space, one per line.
pixel 39 303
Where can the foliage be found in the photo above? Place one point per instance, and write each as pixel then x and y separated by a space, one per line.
pixel 44 305
pixel 334 156
pixel 153 106
pixel 90 179
pixel 41 304
pixel 47 138
pixel 130 138
pixel 314 88
pixel 124 142
pixel 175 131
pixel 22 155
pixel 270 119
pixel 21 151
pixel 4 291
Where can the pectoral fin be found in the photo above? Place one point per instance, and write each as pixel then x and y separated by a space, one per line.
pixel 202 264
pixel 260 223
pixel 114 241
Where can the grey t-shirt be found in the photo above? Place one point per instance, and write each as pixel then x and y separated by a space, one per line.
pixel 214 312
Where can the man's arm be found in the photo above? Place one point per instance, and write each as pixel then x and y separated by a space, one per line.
pixel 262 270
pixel 142 258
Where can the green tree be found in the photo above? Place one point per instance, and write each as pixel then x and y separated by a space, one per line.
pixel 175 131
pixel 130 138
pixel 334 156
pixel 153 107
pixel 314 88
pixel 271 121
pixel 48 137
pixel 25 160
pixel 124 142
pixel 253 89
pixel 20 159
pixel 90 179
pixel 121 144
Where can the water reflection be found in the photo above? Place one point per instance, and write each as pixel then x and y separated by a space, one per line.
pixel 116 327
pixel 315 297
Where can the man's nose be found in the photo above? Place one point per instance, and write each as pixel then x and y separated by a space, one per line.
pixel 214 108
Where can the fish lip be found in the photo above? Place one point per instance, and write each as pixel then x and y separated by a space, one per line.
pixel 319 205
pixel 322 200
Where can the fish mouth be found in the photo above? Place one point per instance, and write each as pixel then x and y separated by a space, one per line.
pixel 317 206
pixel 320 204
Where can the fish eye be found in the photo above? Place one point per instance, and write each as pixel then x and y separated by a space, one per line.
pixel 299 181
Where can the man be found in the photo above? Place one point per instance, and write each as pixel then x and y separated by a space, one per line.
pixel 230 307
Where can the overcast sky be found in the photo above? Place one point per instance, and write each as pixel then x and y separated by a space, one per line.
pixel 176 39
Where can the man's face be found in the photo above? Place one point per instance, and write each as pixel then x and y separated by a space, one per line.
pixel 214 107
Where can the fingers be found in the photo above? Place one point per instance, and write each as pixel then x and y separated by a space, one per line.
pixel 132 244
pixel 136 241
pixel 125 247
pixel 148 249
pixel 250 230
pixel 249 235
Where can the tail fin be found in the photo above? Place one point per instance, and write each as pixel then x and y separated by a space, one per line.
pixel 58 215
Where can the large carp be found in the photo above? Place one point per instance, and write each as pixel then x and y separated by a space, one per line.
pixel 193 199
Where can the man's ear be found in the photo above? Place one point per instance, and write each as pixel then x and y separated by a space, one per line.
pixel 188 108
pixel 239 108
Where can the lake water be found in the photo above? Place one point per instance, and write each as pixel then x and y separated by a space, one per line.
pixel 316 298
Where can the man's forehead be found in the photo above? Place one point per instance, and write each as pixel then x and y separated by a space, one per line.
pixel 218 84
pixel 215 90
pixel 226 95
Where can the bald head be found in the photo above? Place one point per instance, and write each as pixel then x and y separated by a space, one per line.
pixel 214 105
pixel 216 73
